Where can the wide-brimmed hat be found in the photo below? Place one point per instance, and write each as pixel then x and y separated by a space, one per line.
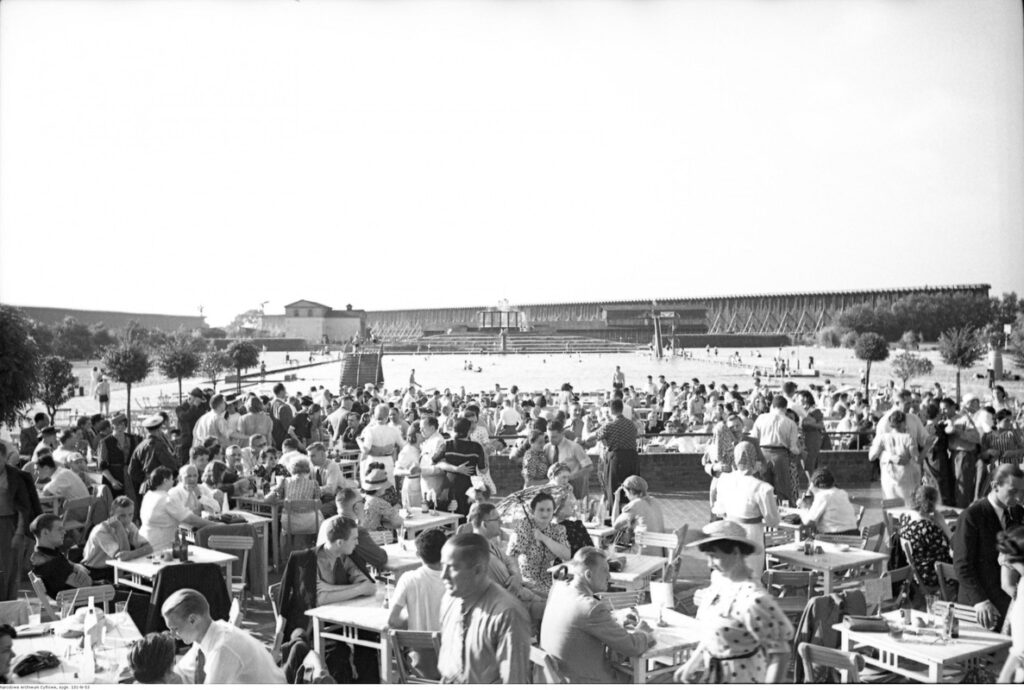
pixel 723 530
pixel 152 421
pixel 375 479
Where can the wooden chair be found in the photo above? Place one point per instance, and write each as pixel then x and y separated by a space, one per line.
pixel 908 551
pixel 873 536
pixel 80 597
pixel 622 600
pixel 897 577
pixel 77 517
pixel 963 612
pixel 45 605
pixel 792 589
pixel 666 540
pixel 547 665
pixel 812 655
pixel 402 640
pixel 860 514
pixel 273 592
pixel 235 613
pixel 239 576
pixel 947 576
pixel 382 537
pixel 289 528
pixel 854 541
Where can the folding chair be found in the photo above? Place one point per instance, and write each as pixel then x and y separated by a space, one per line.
pixel 239 577
pixel 289 528
pixel 812 655
pixel 383 537
pixel 45 605
pixel 786 586
pixel 273 592
pixel 547 666
pixel 854 541
pixel 402 640
pixel 947 578
pixel 80 597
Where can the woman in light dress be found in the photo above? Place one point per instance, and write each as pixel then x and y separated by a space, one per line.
pixel 896 452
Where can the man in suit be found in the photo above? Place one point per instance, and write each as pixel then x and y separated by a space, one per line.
pixel 974 545
pixel 577 626
pixel 29 437
pixel 19 506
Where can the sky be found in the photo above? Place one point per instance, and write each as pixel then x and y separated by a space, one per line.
pixel 165 155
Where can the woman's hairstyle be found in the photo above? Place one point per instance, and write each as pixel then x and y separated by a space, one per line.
pixel 897 418
pixel 924 499
pixel 558 468
pixel 255 406
pixel 1010 543
pixel 159 476
pixel 727 546
pixel 300 466
pixel 152 657
pixel 823 479
pixel 540 498
pixel 534 435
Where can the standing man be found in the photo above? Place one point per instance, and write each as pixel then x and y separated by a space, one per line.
pixel 779 439
pixel 618 379
pixel 964 447
pixel 619 437
pixel 153 452
pixel 115 451
pixel 432 478
pixel 461 458
pixel 19 506
pixel 281 412
pixel 974 546
pixel 29 437
pixel 561 449
pixel 485 634
pixel 188 415
pixel 213 424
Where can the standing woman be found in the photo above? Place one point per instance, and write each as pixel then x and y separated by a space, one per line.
pixel 813 426
pixel 256 420
pixel 896 452
pixel 115 451
pixel 408 467
pixel 380 442
pixel 745 637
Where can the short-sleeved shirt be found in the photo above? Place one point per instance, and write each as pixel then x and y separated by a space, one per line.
pixel 66 484
pixel 161 516
pixel 107 540
pixel 486 640
pixel 618 434
pixel 420 592
pixel 832 511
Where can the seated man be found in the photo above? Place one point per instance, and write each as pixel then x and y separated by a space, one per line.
pixel 117 537
pixel 504 569
pixel 828 508
pixel 578 626
pixel 351 505
pixel 59 481
pixel 417 601
pixel 221 653
pixel 48 560
pixel 193 495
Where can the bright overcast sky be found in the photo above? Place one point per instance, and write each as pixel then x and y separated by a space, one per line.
pixel 160 155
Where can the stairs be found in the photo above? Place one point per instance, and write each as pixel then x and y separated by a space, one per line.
pixel 475 343
pixel 360 368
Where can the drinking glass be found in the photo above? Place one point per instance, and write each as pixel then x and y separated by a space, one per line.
pixel 66 610
pixel 120 607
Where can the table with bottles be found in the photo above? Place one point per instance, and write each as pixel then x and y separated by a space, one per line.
pixel 139 573
pixel 420 520
pixel 110 655
pixel 344 621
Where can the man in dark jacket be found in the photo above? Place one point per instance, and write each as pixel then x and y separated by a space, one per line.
pixel 30 436
pixel 188 415
pixel 153 452
pixel 974 545
pixel 19 506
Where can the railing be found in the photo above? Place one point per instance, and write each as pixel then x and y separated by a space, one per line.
pixel 644 440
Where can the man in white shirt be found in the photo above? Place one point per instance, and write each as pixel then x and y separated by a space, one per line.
pixel 329 472
pixel 779 439
pixel 213 424
pixel 68 446
pixel 115 537
pixel 509 419
pixel 60 481
pixel 221 653
pixel 417 601
pixel 915 427
pixel 432 478
pixel 830 509
pixel 193 495
pixel 561 449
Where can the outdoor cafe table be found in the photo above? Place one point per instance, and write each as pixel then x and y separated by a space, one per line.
pixel 599 533
pixel 139 573
pixel 419 521
pixel 833 561
pixel 111 655
pixel 343 622
pixel 680 634
pixel 922 657
pixel 401 558
pixel 269 508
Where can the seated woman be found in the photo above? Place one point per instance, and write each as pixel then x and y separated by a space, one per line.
pixel 535 462
pixel 151 659
pixel 537 543
pixel 640 510
pixel 161 514
pixel 927 533
pixel 828 508
pixel 299 487
pixel 380 515
pixel 566 506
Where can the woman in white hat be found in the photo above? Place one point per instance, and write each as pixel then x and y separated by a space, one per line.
pixel 380 514
pixel 745 637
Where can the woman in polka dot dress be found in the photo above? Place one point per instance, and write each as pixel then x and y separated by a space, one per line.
pixel 746 637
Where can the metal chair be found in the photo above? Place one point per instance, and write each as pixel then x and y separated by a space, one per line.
pixel 402 640
pixel 622 600
pixel 547 665
pixel 80 597
pixel 240 544
pixel 947 578
pixel 289 528
pixel 812 655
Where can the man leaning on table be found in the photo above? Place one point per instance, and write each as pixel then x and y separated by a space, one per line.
pixel 974 545
pixel 221 653
pixel 117 537
pixel 577 626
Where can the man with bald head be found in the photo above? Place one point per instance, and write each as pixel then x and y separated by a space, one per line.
pixel 485 634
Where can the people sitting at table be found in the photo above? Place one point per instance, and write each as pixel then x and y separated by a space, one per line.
pixel 151 659
pixel 504 569
pixel 351 505
pixel 416 604
pixel 744 635
pixel 117 537
pixel 1010 544
pixel 927 532
pixel 59 481
pixel 327 472
pixel 537 542
pixel 578 627
pixel 828 508
pixel 221 653
pixel 195 496
pixel 48 561
pixel 161 515
pixel 380 515
pixel 975 556
pixel 747 500
pixel 485 636
pixel 641 511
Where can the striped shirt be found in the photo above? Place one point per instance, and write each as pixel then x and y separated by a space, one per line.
pixel 618 434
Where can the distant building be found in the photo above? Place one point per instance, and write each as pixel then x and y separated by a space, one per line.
pixel 115 320
pixel 317 323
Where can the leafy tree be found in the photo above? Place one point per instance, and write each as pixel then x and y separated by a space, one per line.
pixel 212 362
pixel 55 377
pixel 907 365
pixel 1006 309
pixel 19 364
pixel 829 336
pixel 848 339
pixel 72 340
pixel 870 347
pixel 127 362
pixel 864 318
pixel 1016 341
pixel 910 341
pixel 243 354
pixel 179 359
pixel 247 319
pixel 101 337
pixel 961 348
pixel 42 334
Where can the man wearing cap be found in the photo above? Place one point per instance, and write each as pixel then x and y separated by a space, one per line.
pixel 779 439
pixel 115 451
pixel 188 415
pixel 964 446
pixel 578 626
pixel 151 453
pixel 213 424
pixel 619 437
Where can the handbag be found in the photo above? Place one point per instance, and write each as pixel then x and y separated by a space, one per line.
pixel 867 624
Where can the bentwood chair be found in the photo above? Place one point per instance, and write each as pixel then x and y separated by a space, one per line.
pixel 792 589
pixel 424 641
pixel 948 582
pixel 622 600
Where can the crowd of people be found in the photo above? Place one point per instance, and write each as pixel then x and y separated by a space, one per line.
pixel 488 595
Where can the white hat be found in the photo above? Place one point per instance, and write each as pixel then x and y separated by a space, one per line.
pixel 724 530
pixel 152 421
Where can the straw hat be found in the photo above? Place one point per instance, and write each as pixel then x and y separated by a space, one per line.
pixel 724 530
pixel 375 479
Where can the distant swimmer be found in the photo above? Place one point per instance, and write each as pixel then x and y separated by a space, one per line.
pixel 478 369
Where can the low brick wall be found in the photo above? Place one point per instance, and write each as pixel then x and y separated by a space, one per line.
pixel 677 472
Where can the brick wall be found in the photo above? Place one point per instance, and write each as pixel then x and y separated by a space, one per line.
pixel 676 472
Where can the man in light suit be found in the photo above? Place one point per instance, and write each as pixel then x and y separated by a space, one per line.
pixel 974 545
pixel 577 626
